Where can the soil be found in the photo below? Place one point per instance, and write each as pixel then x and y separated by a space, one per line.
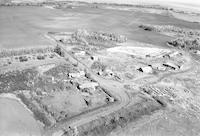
pixel 17 120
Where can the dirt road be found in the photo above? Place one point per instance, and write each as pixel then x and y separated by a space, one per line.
pixel 115 88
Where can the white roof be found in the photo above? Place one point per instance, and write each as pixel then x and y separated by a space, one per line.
pixel 171 64
pixel 88 85
pixel 147 69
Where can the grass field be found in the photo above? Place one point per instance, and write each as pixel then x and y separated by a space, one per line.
pixel 169 124
pixel 16 120
pixel 26 26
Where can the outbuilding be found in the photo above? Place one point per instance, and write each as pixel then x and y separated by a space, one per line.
pixel 146 69
pixel 94 58
pixel 171 65
pixel 91 85
pixel 76 74
pixel 80 53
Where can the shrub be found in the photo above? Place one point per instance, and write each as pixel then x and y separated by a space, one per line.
pixel 23 58
pixel 59 51
pixel 97 38
pixel 186 43
pixel 146 28
pixel 40 57
pixel 169 28
pixel 18 52
pixel 99 66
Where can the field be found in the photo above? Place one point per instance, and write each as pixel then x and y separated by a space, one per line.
pixel 26 24
pixel 163 123
pixel 15 113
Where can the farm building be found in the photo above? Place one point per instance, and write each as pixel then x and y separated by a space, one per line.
pixel 146 69
pixel 88 85
pixel 76 75
pixel 171 65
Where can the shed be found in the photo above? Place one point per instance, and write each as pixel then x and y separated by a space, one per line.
pixel 80 53
pixel 146 69
pixel 88 85
pixel 94 58
pixel 77 74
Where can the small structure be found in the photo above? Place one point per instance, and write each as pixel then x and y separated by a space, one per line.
pixel 100 72
pixel 76 75
pixel 94 58
pixel 80 53
pixel 109 72
pixel 172 54
pixel 53 79
pixel 146 69
pixel 197 52
pixel 91 85
pixel 111 99
pixel 171 65
pixel 166 56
